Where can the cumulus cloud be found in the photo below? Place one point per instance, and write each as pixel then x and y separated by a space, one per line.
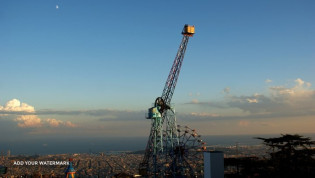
pixel 15 105
pixel 280 101
pixel 300 90
pixel 54 122
pixel 33 121
pixel 299 98
pixel 268 81
pixel 252 100
pixel 60 123
pixel 28 121
pixel 26 116
pixel 70 124
pixel 299 82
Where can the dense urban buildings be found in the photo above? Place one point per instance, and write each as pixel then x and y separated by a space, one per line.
pixel 104 164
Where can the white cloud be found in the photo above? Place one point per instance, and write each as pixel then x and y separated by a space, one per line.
pixel 268 81
pixel 279 90
pixel 299 98
pixel 299 82
pixel 26 116
pixel 54 122
pixel 300 90
pixel 60 123
pixel 280 101
pixel 26 121
pixel 70 124
pixel 252 100
pixel 15 105
pixel 33 121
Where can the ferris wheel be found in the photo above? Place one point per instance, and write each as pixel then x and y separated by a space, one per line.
pixel 187 156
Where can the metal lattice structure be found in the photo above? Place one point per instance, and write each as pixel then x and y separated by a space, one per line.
pixel 172 151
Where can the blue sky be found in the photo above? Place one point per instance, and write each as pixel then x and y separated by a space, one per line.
pixel 73 58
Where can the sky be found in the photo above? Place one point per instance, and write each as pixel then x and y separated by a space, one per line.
pixel 83 68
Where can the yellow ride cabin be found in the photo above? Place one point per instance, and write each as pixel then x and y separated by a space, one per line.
pixel 188 30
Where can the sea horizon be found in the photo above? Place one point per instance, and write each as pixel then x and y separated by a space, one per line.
pixel 71 145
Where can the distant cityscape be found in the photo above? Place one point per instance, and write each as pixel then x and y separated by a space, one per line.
pixel 103 164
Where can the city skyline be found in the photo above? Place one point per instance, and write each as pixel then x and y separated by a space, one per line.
pixel 72 68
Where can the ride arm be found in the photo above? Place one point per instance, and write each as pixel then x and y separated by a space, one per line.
pixel 165 100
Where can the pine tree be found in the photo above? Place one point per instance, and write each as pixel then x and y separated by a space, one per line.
pixel 291 156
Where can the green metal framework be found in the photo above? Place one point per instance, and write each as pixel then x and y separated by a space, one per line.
pixel 169 152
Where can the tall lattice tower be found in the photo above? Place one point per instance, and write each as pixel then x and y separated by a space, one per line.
pixel 172 150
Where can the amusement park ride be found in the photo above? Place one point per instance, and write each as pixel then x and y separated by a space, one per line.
pixel 172 150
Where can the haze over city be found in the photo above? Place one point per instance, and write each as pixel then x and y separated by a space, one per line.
pixel 92 68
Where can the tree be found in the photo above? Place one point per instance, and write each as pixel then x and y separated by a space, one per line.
pixel 291 156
